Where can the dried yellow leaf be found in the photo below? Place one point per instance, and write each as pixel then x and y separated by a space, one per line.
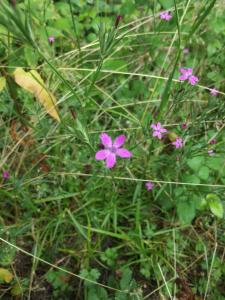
pixel 5 275
pixel 2 83
pixel 32 82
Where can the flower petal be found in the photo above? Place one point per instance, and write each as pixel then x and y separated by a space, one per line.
pixel 182 70
pixel 162 130
pixel 102 154
pixel 183 77
pixel 106 140
pixel 158 126
pixel 119 141
pixel 154 126
pixel 189 71
pixel 193 80
pixel 157 133
pixel 124 153
pixel 110 160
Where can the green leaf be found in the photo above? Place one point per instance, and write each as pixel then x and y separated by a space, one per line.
pixel 31 56
pixel 186 211
pixel 204 173
pixel 215 163
pixel 195 162
pixel 166 3
pixel 115 64
pixel 16 290
pixel 215 205
pixel 191 178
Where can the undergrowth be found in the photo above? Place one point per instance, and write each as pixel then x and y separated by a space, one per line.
pixel 81 217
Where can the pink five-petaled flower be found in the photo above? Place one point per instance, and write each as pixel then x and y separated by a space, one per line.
pixel 165 15
pixel 158 130
pixel 213 92
pixel 112 149
pixel 149 185
pixel 186 74
pixel 5 175
pixel 178 143
pixel 186 50
pixel 51 39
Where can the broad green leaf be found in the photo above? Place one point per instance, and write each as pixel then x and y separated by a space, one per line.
pixel 186 211
pixel 203 173
pixel 167 3
pixel 215 163
pixel 191 178
pixel 32 82
pixel 215 205
pixel 5 275
pixel 195 163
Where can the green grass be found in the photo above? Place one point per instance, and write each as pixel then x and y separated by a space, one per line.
pixel 69 227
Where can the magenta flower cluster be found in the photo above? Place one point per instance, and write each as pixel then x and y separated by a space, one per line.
pixel 51 39
pixel 5 175
pixel 187 74
pixel 158 130
pixel 165 15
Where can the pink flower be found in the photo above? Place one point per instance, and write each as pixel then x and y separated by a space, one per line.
pixel 5 175
pixel 158 130
pixel 186 74
pixel 166 15
pixel 211 152
pixel 118 19
pixel 178 143
pixel 112 149
pixel 184 126
pixel 193 80
pixel 149 185
pixel 185 50
pixel 51 39
pixel 213 142
pixel 213 92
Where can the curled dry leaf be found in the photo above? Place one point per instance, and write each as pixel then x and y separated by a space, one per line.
pixel 17 132
pixel 2 83
pixel 32 82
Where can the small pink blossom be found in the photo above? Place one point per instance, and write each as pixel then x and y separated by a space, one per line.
pixel 112 149
pixel 178 143
pixel 184 126
pixel 51 39
pixel 158 130
pixel 118 19
pixel 193 80
pixel 214 92
pixel 186 50
pixel 211 152
pixel 187 74
pixel 213 142
pixel 166 15
pixel 5 175
pixel 149 185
